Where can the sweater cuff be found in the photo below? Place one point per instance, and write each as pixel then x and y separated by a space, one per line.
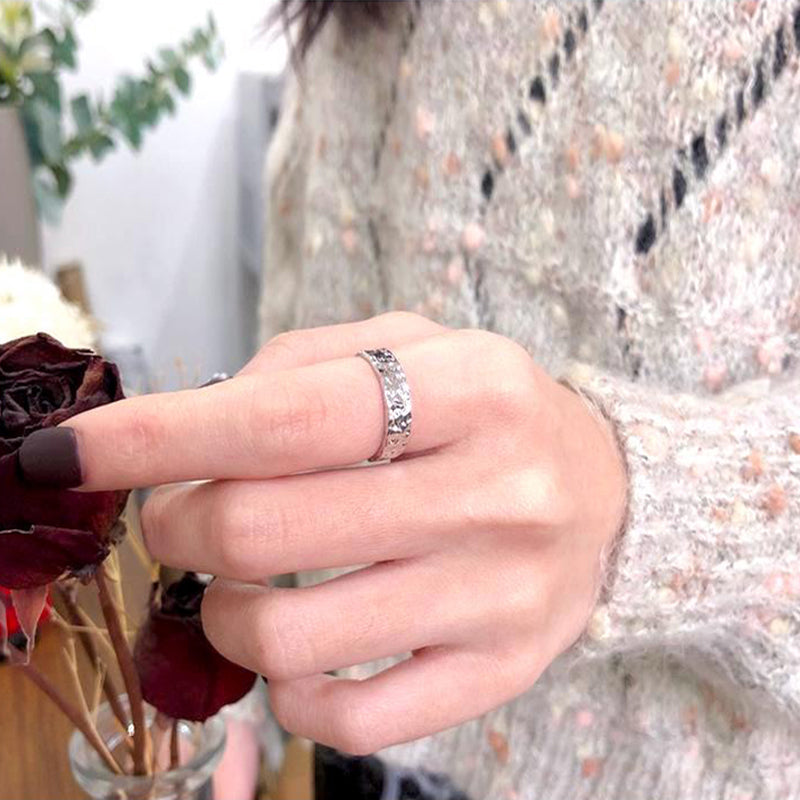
pixel 707 553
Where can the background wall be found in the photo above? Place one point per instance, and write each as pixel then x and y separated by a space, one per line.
pixel 159 232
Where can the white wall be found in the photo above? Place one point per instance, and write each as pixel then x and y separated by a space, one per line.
pixel 157 231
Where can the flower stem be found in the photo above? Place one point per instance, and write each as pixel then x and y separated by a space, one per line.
pixel 109 689
pixel 174 752
pixel 128 669
pixel 79 720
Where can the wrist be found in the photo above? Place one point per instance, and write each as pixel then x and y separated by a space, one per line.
pixel 599 458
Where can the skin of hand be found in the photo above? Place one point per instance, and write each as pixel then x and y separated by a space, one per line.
pixel 483 543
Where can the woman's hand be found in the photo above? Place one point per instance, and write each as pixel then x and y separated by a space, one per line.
pixel 485 539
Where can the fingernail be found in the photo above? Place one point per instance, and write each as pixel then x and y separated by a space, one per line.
pixel 49 457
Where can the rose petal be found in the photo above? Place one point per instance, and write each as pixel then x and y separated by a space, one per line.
pixel 83 379
pixel 29 604
pixel 22 505
pixel 41 554
pixel 181 674
pixel 3 630
pixel 31 352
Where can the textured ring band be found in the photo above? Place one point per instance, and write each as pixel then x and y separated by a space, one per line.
pixel 396 402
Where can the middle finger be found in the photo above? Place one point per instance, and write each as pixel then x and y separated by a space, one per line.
pixel 248 530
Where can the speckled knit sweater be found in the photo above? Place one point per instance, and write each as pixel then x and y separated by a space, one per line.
pixel 616 186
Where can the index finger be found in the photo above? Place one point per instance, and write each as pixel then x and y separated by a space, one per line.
pixel 252 426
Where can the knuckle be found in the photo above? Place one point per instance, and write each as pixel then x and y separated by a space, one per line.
pixel 510 397
pixel 525 604
pixel 408 320
pixel 141 443
pixel 253 536
pixel 506 382
pixel 276 532
pixel 501 666
pixel 270 644
pixel 515 383
pixel 280 651
pixel 232 556
pixel 151 522
pixel 556 503
pixel 282 703
pixel 288 414
pixel 285 346
pixel 515 668
pixel 535 497
pixel 354 731
pixel 232 525
pixel 257 538
pixel 475 342
pixel 210 612
pixel 483 343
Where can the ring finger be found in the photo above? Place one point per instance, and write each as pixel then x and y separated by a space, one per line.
pixel 373 613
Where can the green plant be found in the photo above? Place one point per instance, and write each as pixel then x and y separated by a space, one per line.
pixel 37 46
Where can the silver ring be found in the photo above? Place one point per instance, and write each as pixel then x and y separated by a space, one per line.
pixel 396 402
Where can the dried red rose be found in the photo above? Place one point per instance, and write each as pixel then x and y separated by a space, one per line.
pixel 47 533
pixel 181 674
pixel 13 628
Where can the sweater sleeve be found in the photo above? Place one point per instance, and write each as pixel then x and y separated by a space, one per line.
pixel 707 565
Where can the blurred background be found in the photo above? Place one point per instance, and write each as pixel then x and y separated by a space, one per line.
pixel 132 147
pixel 165 229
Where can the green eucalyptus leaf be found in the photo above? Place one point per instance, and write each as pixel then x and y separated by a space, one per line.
pixel 30 64
pixel 47 89
pixel 100 144
pixel 121 118
pixel 82 6
pixel 183 80
pixel 63 179
pixel 48 201
pixel 135 136
pixel 169 58
pixel 65 50
pixel 82 113
pixel 73 148
pixel 48 129
pixel 212 58
pixel 148 113
pixel 31 128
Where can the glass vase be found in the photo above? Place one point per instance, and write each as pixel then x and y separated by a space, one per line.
pixel 200 745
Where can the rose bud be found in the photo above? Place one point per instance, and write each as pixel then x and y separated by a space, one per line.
pixel 48 532
pixel 182 675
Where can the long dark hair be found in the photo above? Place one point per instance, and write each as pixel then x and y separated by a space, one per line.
pixel 302 20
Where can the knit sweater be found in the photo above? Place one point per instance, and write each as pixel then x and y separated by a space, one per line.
pixel 616 186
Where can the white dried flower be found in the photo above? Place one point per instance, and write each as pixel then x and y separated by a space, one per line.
pixel 30 302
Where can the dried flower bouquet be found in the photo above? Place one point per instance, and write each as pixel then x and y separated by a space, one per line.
pixel 52 540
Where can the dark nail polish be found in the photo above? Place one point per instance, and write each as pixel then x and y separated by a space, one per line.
pixel 49 457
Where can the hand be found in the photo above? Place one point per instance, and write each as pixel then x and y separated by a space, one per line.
pixel 484 541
